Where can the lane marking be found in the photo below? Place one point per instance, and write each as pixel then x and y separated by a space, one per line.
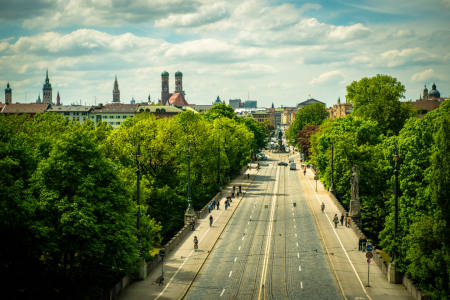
pixel 266 256
pixel 295 227
pixel 239 248
pixel 301 284
pixel 243 237
pixel 230 273
pixel 222 293
pixel 245 230
pixel 300 268
pixel 179 268
pixel 298 255
pixel 340 242
pixel 235 259
pixel 297 244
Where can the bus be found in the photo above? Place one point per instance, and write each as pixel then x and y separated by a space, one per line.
pixel 293 166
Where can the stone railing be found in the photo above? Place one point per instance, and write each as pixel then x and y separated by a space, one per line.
pixel 413 289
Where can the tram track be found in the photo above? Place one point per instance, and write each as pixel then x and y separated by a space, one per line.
pixel 250 245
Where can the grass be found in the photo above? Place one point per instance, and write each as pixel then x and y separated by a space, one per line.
pixel 385 256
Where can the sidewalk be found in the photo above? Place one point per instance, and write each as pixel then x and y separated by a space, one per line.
pixel 349 264
pixel 183 263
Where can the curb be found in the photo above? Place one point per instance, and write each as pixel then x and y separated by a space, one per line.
pixel 210 250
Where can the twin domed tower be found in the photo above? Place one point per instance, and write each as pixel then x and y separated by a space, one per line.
pixel 165 95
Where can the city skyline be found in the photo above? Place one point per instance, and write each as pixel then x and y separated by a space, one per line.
pixel 277 51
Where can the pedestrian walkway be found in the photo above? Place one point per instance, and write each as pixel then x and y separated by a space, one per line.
pixel 349 264
pixel 183 263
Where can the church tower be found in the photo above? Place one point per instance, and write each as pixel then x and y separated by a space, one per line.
pixel 47 91
pixel 8 94
pixel 425 92
pixel 116 92
pixel 58 100
pixel 164 87
pixel 179 83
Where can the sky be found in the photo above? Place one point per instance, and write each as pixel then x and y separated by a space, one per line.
pixel 271 51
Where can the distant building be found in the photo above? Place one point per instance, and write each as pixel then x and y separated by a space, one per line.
pixel 430 101
pixel 277 115
pixel 73 112
pixel 165 94
pixel 116 92
pixel 340 109
pixel 262 116
pixel 250 104
pixel 218 101
pixel 38 100
pixel 26 108
pixel 234 103
pixel 8 94
pixel 58 100
pixel 202 108
pixel 113 114
pixel 160 111
pixel 309 102
pixel 47 91
pixel 177 99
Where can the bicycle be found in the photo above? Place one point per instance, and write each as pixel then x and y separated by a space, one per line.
pixel 160 279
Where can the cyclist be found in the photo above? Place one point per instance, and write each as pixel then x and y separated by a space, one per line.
pixel 304 171
pixel 195 243
pixel 210 220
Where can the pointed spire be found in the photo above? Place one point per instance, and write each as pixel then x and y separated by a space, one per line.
pixel 47 74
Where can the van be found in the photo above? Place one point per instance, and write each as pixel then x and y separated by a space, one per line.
pixel 293 166
pixel 291 159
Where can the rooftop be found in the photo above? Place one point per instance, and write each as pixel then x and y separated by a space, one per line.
pixel 177 99
pixel 69 108
pixel 29 108
pixel 158 109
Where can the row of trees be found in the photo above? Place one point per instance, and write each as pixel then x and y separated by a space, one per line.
pixel 68 198
pixel 367 138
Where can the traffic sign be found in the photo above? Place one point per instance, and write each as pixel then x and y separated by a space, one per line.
pixel 369 248
pixel 369 255
pixel 368 260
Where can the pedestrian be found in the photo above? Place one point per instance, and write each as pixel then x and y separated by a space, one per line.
pixel 209 208
pixel 335 220
pixel 192 225
pixel 218 203
pixel 240 189
pixel 360 244
pixel 342 220
pixel 237 194
pixel 345 219
pixel 226 204
pixel 214 204
pixel 232 195
pixel 210 220
pixel 322 206
pixel 364 244
pixel 248 176
pixel 234 188
pixel 348 221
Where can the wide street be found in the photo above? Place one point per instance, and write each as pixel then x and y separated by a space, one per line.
pixel 271 248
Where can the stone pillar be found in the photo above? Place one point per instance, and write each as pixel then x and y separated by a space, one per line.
pixel 393 276
pixel 188 217
pixel 143 270
pixel 355 212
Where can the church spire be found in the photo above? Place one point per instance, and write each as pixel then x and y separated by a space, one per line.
pixel 116 91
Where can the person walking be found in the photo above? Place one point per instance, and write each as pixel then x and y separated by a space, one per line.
pixel 210 220
pixel 234 188
pixel 345 219
pixel 209 208
pixel 364 244
pixel 322 206
pixel 218 203
pixel 335 220
pixel 248 175
pixel 360 244
pixel 342 220
pixel 192 225
pixel 237 194
pixel 226 204
pixel 348 221
pixel 240 189
pixel 214 204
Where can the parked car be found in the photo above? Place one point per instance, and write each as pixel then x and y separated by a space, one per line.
pixel 282 163
pixel 263 163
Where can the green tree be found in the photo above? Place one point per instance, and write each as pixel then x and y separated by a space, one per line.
pixel 303 138
pixel 83 217
pixel 313 114
pixel 378 99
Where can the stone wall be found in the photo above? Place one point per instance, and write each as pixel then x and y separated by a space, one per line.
pixel 413 289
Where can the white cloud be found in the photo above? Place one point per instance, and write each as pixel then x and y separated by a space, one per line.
pixel 427 75
pixel 328 77
pixel 402 33
pixel 411 56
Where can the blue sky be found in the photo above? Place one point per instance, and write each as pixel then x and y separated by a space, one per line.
pixel 276 51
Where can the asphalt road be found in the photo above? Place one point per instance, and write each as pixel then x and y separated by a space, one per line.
pixel 271 248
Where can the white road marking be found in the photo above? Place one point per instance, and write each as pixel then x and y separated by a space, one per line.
pixel 248 223
pixel 295 227
pixel 294 220
pixel 239 248
pixel 222 293
pixel 301 284
pixel 300 268
pixel 345 251
pixel 295 235
pixel 235 259
pixel 297 244
pixel 243 237
pixel 298 255
pixel 245 230
pixel 230 273
pixel 171 279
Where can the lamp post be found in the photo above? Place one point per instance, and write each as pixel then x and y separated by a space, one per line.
pixel 220 185
pixel 396 158
pixel 190 209
pixel 332 171
pixel 138 195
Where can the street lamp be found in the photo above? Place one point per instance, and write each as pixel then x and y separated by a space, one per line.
pixel 138 194
pixel 190 206
pixel 332 171
pixel 396 158
pixel 220 185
